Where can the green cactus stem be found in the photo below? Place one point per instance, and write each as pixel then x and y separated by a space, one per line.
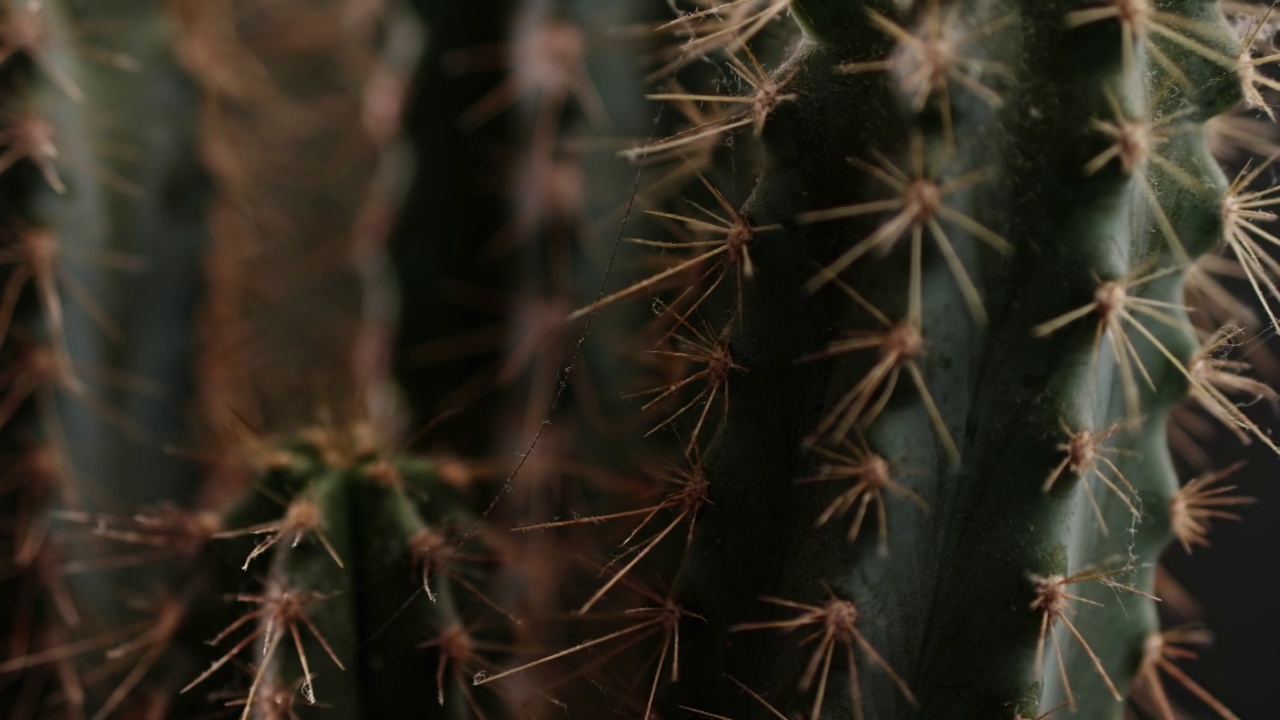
pixel 995 204
pixel 102 225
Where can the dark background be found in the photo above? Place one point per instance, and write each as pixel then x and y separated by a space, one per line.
pixel 1236 582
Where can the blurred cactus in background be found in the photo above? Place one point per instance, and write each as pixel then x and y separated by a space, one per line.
pixel 645 358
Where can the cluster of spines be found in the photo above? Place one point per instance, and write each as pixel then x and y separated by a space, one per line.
pixel 1119 313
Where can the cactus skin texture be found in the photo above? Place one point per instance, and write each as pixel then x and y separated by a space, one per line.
pixel 951 606
pixel 882 437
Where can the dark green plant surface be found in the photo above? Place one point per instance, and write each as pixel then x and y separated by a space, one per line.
pixel 1014 190
pixel 775 359
pixel 103 224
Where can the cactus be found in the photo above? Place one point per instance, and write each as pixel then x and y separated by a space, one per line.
pixel 960 248
pixel 778 358
pixel 100 214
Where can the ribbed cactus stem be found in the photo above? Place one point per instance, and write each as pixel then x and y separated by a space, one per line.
pixel 1022 185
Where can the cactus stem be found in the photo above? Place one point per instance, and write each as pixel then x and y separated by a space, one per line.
pixel 1084 452
pixel 837 624
pixel 1053 602
pixel 871 475
pixel 1159 653
pixel 1199 502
